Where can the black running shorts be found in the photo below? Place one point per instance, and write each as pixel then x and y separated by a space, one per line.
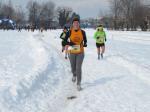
pixel 99 45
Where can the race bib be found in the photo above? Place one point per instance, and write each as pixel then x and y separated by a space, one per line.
pixel 75 49
pixel 101 40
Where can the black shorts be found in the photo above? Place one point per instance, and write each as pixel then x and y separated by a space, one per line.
pixel 99 45
pixel 63 43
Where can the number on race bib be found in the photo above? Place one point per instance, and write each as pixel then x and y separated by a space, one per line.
pixel 75 49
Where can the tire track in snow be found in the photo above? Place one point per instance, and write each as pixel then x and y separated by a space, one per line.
pixel 16 102
pixel 137 70
pixel 67 87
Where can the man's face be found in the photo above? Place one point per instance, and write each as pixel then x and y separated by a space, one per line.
pixel 100 28
pixel 76 25
pixel 65 30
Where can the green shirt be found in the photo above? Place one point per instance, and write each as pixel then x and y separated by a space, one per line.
pixel 100 37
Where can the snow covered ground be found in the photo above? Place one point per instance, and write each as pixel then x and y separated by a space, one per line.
pixel 35 77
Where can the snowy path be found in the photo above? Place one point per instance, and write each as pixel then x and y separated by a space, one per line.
pixel 117 83
pixel 39 78
pixel 44 84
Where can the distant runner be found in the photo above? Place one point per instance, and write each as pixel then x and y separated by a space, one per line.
pixel 100 37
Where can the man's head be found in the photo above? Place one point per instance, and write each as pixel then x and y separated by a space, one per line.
pixel 65 29
pixel 76 23
pixel 100 28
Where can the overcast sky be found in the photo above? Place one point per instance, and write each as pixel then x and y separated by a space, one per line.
pixel 86 8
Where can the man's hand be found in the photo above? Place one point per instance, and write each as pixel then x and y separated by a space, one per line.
pixel 85 45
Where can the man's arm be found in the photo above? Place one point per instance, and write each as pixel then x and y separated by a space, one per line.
pixel 84 38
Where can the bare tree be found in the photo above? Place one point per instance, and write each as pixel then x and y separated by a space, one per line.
pixel 143 16
pixel 64 14
pixel 128 13
pixel 0 9
pixel 47 14
pixel 41 15
pixel 34 10
pixel 134 13
pixel 116 10
pixel 19 15
pixel 7 10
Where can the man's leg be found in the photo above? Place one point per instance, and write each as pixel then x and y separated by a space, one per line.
pixel 72 58
pixel 98 52
pixel 79 62
pixel 66 51
pixel 103 51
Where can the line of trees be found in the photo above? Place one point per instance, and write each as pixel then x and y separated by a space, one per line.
pixel 7 10
pixel 125 14
pixel 38 15
pixel 128 14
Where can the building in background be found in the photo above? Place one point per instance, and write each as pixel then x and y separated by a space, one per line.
pixel 7 24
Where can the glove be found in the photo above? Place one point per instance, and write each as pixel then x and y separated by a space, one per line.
pixel 64 43
pixel 85 45
pixel 97 37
